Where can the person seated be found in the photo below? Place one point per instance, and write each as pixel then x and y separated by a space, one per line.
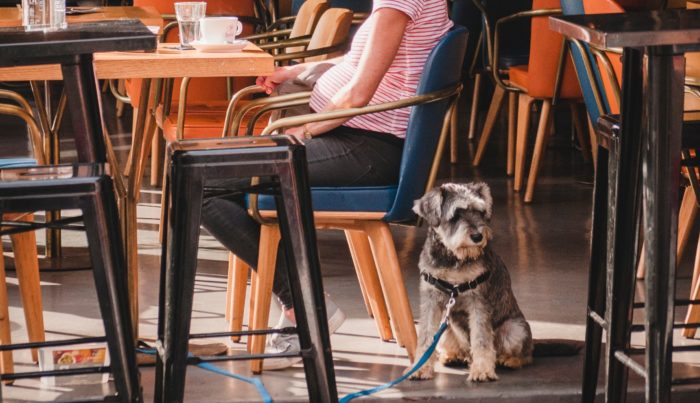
pixel 384 64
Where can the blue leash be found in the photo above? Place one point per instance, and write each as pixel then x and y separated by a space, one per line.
pixel 211 368
pixel 423 359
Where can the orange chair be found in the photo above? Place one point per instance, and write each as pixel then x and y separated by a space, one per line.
pixel 536 81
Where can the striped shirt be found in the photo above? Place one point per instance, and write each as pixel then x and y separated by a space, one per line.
pixel 428 23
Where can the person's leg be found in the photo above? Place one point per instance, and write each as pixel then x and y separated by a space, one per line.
pixel 342 157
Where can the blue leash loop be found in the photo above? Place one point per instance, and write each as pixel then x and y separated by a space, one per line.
pixel 423 359
pixel 264 394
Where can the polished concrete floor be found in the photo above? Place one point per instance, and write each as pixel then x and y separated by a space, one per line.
pixel 544 244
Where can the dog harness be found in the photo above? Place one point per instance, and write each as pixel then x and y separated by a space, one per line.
pixel 451 289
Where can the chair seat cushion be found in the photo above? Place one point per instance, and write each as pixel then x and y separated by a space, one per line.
pixel 16 162
pixel 519 76
pixel 375 198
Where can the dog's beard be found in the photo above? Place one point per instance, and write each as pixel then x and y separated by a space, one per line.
pixel 454 244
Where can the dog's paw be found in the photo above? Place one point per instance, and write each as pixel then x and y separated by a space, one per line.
pixel 482 372
pixel 454 360
pixel 514 362
pixel 424 373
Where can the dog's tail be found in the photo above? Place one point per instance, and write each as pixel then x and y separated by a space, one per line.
pixel 556 347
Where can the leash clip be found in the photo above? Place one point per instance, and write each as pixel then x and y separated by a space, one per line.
pixel 448 308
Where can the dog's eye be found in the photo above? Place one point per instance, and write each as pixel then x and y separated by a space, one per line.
pixel 458 214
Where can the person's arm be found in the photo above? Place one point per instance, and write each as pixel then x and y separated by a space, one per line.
pixel 285 73
pixel 379 52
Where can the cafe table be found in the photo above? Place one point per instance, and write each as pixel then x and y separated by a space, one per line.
pixel 149 66
pixel 653 43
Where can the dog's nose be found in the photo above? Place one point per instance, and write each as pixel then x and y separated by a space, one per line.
pixel 476 237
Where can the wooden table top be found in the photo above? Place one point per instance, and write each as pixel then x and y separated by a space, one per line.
pixel 12 16
pixel 251 61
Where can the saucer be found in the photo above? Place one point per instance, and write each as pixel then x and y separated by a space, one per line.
pixel 205 47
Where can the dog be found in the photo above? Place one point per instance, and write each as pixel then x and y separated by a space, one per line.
pixel 486 327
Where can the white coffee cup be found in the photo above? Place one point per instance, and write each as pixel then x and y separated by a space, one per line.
pixel 220 29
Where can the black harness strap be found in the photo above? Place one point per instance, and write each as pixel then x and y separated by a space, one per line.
pixel 451 289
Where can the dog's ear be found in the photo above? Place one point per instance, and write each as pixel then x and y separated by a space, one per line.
pixel 482 190
pixel 429 207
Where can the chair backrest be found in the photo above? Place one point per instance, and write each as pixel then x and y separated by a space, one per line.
pixel 518 32
pixel 610 88
pixel 545 48
pixel 307 17
pixel 466 14
pixel 332 29
pixel 575 7
pixel 357 6
pixel 442 70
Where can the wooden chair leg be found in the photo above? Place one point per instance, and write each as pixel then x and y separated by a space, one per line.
pixel 384 252
pixel 539 149
pixel 27 265
pixel 6 361
pixel 369 281
pixel 236 287
pixel 454 128
pixel 524 106
pixel 157 156
pixel 512 105
pixel 580 130
pixel 693 315
pixel 267 257
pixel 494 108
pixel 687 213
pixel 475 106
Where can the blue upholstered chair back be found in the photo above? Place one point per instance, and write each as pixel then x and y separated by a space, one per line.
pixel 515 36
pixel 442 69
pixel 575 7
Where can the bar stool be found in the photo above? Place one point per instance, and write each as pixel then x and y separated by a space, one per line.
pixel 281 162
pixel 88 188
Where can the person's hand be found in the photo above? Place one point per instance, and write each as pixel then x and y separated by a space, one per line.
pixel 271 82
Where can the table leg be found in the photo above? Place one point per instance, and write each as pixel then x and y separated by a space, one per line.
pixel 664 74
pixel 623 213
pixel 129 212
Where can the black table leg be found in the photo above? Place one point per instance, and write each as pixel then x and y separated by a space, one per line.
pixel 105 243
pixel 299 235
pixel 85 107
pixel 623 210
pixel 664 74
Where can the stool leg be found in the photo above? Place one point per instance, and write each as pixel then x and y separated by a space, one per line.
pixel 178 268
pixel 299 235
pixel 623 211
pixel 664 81
pixel 107 256
pixel 596 279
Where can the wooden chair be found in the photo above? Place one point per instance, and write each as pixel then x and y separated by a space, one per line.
pixel 364 214
pixel 549 66
pixel 23 244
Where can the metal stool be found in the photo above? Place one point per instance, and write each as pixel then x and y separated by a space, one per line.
pixel 88 188
pixel 281 162
pixel 614 251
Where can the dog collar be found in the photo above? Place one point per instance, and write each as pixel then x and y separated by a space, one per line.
pixel 451 289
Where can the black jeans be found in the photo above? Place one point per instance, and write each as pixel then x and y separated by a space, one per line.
pixel 342 157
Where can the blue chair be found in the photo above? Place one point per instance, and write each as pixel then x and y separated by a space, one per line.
pixel 513 52
pixel 23 244
pixel 364 213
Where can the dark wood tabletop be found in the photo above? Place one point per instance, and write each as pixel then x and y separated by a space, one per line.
pixel 678 27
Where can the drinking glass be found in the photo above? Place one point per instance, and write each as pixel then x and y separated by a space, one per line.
pixel 43 15
pixel 189 15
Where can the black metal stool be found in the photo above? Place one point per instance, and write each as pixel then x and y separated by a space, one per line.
pixel 281 161
pixel 88 188
pixel 617 201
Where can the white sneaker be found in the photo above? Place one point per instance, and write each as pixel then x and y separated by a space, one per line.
pixel 280 343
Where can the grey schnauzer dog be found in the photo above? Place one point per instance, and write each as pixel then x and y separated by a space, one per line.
pixel 486 326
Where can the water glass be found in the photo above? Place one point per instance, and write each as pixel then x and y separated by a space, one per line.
pixel 189 14
pixel 43 15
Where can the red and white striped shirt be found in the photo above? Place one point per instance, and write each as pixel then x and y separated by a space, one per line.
pixel 428 23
